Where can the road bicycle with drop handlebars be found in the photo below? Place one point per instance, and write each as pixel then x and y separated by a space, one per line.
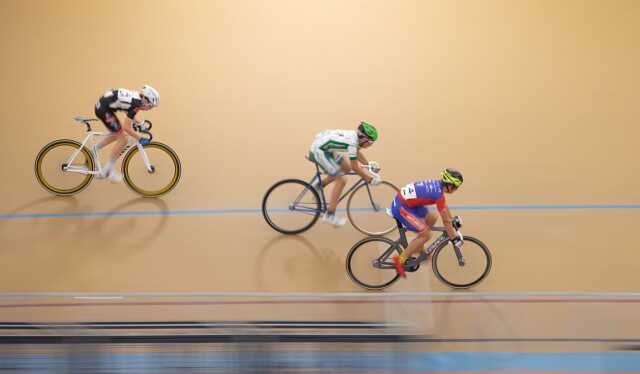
pixel 370 264
pixel 66 167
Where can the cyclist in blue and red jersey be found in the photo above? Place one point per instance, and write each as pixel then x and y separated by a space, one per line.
pixel 410 208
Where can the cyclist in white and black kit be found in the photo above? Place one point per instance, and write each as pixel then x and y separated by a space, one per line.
pixel 122 100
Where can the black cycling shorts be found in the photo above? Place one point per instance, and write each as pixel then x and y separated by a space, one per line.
pixel 108 117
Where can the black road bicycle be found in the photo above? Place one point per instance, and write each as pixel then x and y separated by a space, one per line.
pixel 370 261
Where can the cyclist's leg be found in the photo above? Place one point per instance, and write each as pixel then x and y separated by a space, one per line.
pixel 312 157
pixel 345 167
pixel 340 182
pixel 333 168
pixel 327 163
pixel 111 122
pixel 418 220
pixel 430 219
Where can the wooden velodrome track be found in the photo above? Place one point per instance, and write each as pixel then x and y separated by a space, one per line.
pixel 535 101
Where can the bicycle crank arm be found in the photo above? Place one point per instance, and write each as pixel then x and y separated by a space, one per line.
pixel 378 264
pixel 80 169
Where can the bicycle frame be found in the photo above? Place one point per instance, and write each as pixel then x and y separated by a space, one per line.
pixel 424 254
pixel 98 169
pixel 323 201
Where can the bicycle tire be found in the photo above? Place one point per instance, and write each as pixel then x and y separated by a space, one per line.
pixel 175 178
pixel 467 241
pixel 90 164
pixel 315 213
pixel 382 205
pixel 357 280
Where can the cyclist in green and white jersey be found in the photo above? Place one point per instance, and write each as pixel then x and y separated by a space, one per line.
pixel 328 149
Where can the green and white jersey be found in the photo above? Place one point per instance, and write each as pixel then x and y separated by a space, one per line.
pixel 337 141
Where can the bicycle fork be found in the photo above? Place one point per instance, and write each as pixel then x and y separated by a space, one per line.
pixel 147 163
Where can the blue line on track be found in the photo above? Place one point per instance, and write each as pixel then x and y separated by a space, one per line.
pixel 213 212
pixel 350 362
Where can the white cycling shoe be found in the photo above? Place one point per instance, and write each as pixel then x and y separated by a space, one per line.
pixel 112 175
pixel 334 220
pixel 115 177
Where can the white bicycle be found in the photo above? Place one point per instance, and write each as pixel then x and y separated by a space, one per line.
pixel 66 167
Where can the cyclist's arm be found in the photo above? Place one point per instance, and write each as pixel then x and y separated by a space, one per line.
pixel 127 126
pixel 128 122
pixel 447 220
pixel 354 157
pixel 362 159
pixel 355 166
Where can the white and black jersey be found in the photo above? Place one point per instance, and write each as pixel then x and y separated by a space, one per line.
pixel 117 100
pixel 120 100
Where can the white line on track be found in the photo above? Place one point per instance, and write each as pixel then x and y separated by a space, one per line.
pixel 121 295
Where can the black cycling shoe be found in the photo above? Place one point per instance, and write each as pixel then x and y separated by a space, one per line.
pixel 411 264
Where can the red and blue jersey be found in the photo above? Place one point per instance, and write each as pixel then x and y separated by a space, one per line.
pixel 422 193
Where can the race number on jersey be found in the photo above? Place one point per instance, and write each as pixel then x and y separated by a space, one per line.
pixel 409 191
pixel 125 96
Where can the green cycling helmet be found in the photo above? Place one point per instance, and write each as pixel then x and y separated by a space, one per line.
pixel 452 177
pixel 368 131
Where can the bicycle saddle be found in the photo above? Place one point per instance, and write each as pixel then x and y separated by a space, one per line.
pixel 82 119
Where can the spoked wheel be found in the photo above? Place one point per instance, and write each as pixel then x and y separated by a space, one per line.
pixel 291 206
pixel 367 208
pixel 58 177
pixel 161 178
pixel 370 264
pixel 466 271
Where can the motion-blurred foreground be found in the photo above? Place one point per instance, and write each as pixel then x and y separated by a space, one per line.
pixel 202 333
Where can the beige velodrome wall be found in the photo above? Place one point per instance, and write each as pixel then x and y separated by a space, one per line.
pixel 535 101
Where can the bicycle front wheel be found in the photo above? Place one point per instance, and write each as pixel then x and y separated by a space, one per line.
pixel 58 173
pixel 162 175
pixel 291 206
pixel 370 264
pixel 367 208
pixel 470 269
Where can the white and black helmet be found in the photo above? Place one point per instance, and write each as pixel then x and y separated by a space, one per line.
pixel 151 94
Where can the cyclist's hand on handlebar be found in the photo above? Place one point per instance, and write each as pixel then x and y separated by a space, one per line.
pixel 456 222
pixel 141 126
pixel 376 180
pixel 144 141
pixel 374 166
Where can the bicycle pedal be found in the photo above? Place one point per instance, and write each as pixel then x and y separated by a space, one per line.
pixel 411 268
pixel 411 265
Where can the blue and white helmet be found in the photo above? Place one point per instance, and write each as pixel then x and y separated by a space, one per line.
pixel 151 94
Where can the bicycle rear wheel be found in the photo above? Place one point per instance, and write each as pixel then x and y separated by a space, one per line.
pixel 369 262
pixel 367 208
pixel 55 175
pixel 291 206
pixel 164 174
pixel 475 268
